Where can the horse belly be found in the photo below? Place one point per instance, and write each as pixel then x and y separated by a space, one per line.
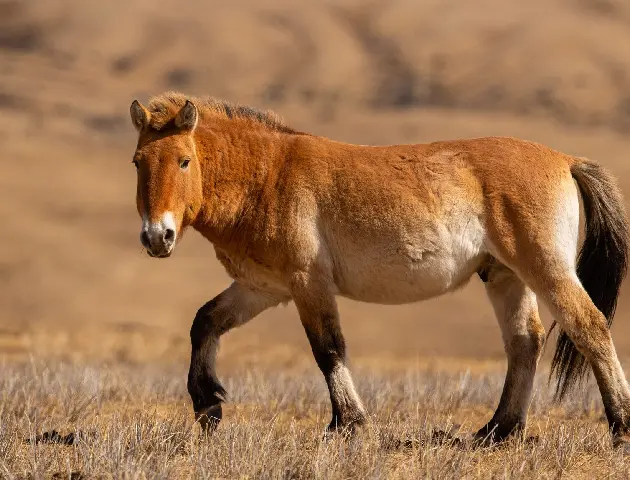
pixel 416 268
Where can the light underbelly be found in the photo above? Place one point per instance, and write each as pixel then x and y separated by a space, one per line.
pixel 386 284
pixel 414 269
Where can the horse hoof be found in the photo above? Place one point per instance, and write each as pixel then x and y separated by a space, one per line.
pixel 209 418
pixel 494 435
pixel 347 430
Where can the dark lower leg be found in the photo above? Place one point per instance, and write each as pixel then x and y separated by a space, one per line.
pixel 233 307
pixel 587 328
pixel 523 336
pixel 511 414
pixel 347 409
pixel 203 385
pixel 319 316
pixel 612 386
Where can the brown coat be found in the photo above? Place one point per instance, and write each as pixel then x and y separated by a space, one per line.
pixel 299 217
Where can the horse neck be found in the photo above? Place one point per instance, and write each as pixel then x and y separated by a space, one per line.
pixel 239 166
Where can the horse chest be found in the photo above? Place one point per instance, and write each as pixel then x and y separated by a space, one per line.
pixel 251 272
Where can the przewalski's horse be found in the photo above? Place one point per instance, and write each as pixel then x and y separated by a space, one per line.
pixel 299 217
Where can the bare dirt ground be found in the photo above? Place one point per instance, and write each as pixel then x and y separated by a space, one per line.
pixel 75 286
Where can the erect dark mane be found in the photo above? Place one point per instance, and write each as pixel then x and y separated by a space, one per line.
pixel 165 106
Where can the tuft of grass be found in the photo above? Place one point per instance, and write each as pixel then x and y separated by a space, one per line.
pixel 126 421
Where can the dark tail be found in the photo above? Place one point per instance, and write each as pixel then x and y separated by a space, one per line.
pixel 601 263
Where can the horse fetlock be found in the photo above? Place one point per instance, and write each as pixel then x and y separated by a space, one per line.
pixel 349 415
pixel 496 431
pixel 209 417
pixel 205 392
pixel 620 435
pixel 206 397
pixel 619 422
pixel 348 423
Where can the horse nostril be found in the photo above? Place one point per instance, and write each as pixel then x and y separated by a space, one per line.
pixel 169 235
pixel 144 239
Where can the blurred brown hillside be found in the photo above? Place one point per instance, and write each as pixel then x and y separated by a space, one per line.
pixel 72 277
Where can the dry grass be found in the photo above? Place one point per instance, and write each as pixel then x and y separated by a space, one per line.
pixel 135 422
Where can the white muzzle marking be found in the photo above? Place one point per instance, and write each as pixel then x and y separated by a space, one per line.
pixel 159 237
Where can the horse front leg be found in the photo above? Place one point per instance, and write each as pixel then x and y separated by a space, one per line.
pixel 233 307
pixel 317 307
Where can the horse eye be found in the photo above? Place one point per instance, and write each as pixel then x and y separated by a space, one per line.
pixel 184 163
pixel 136 164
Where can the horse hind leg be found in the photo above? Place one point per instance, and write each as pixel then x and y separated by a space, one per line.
pixel 588 330
pixel 523 335
pixel 537 238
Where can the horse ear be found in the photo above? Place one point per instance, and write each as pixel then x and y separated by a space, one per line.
pixel 187 117
pixel 140 116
